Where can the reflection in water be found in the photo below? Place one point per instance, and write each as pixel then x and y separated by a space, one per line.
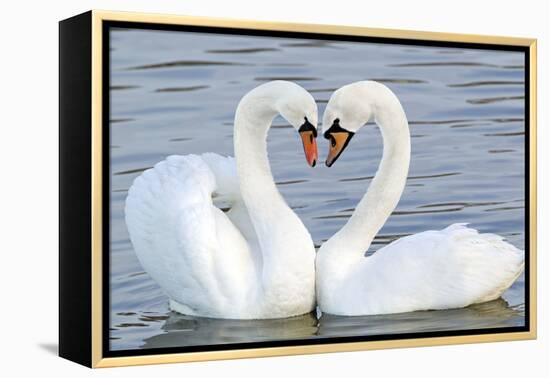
pixel 490 314
pixel 182 330
pixel 176 93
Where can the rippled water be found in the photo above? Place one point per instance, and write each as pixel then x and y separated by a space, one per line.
pixel 175 93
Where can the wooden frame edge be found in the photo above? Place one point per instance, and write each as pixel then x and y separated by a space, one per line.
pixel 533 186
pixel 97 182
pixel 308 349
pixel 311 28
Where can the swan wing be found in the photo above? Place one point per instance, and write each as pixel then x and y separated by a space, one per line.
pixel 228 195
pixel 224 170
pixel 189 246
pixel 450 268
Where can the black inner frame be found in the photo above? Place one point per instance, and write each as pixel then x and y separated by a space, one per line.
pixel 107 25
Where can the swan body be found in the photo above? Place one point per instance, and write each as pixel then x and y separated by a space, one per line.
pixel 450 268
pixel 254 261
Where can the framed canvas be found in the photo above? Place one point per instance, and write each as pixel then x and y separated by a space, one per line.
pixel 382 192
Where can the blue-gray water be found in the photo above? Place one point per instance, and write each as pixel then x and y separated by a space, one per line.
pixel 175 93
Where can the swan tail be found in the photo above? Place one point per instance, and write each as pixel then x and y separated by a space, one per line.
pixel 489 263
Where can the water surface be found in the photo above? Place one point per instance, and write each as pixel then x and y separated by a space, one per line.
pixel 175 93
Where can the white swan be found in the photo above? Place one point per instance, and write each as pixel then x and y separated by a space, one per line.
pixel 431 270
pixel 255 261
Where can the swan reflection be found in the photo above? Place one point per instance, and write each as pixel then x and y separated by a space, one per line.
pixel 182 330
pixel 492 314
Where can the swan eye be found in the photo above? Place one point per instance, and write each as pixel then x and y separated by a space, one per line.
pixel 307 126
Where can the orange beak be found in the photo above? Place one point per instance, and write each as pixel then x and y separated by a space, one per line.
pixel 310 147
pixel 338 142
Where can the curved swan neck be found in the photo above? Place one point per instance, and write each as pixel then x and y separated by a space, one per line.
pixel 388 184
pixel 286 246
pixel 253 118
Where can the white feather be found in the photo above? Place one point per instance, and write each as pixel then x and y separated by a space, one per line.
pixel 188 245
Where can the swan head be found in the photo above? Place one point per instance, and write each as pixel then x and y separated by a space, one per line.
pixel 298 107
pixel 346 112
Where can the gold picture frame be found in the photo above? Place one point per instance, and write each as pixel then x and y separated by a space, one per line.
pixel 89 266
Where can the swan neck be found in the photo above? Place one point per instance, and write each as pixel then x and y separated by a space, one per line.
pixel 286 246
pixel 252 122
pixel 388 184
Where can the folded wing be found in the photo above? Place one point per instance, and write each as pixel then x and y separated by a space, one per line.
pixel 190 247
